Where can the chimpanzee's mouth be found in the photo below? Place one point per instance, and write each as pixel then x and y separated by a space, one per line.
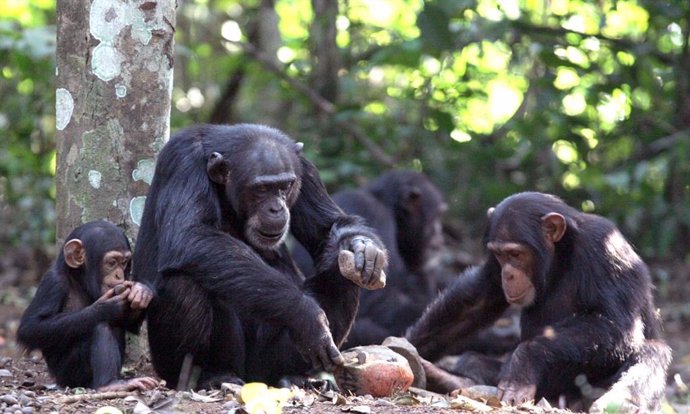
pixel 271 236
pixel 266 238
pixel 514 299
pixel 521 299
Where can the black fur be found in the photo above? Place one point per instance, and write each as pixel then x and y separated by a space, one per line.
pixel 593 314
pixel 81 341
pixel 405 208
pixel 241 309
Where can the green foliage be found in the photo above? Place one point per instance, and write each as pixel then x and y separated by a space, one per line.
pixel 586 99
pixel 27 122
pixel 580 98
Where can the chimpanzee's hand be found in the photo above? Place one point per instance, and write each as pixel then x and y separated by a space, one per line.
pixel 112 306
pixel 313 339
pixel 514 393
pixel 139 296
pixel 517 384
pixel 362 262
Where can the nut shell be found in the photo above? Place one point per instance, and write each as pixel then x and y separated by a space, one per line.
pixel 118 289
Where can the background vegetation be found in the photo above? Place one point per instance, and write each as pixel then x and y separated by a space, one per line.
pixel 586 99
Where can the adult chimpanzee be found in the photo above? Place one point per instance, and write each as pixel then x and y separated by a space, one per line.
pixel 81 308
pixel 587 309
pixel 405 208
pixel 229 297
pixel 416 205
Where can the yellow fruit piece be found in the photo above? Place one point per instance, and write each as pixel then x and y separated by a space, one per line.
pixel 108 410
pixel 258 398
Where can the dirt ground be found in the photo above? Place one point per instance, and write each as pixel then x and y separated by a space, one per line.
pixel 26 387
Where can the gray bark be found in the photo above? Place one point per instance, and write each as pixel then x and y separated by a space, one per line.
pixel 114 82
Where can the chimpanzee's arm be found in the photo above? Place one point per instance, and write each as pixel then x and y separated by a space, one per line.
pixel 43 324
pixel 232 272
pixel 324 229
pixel 583 343
pixel 320 225
pixel 473 301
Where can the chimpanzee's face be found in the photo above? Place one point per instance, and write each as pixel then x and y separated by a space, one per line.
pixel 517 271
pixel 114 268
pixel 267 200
pixel 261 182
pixel 524 264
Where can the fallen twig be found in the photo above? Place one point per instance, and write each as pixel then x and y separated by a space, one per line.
pixel 108 395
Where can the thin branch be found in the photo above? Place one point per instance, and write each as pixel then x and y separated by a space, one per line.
pixel 109 395
pixel 320 103
pixel 364 55
pixel 224 107
pixel 665 143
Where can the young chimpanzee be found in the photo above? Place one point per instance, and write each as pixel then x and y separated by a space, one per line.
pixel 588 316
pixel 82 307
pixel 230 301
pixel 405 208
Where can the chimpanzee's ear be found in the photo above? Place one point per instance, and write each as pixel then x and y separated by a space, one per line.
pixel 74 252
pixel 554 226
pixel 299 147
pixel 217 169
pixel 490 212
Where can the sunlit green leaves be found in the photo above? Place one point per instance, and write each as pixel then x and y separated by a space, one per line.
pixel 578 97
pixel 626 19
pixel 295 16
pixel 30 13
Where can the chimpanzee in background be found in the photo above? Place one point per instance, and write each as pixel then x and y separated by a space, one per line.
pixel 230 300
pixel 406 209
pixel 82 307
pixel 588 315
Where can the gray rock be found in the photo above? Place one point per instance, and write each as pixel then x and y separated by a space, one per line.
pixel 403 347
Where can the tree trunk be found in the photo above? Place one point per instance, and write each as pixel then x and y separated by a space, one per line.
pixel 325 49
pixel 114 82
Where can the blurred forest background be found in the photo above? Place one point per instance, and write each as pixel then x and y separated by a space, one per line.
pixel 586 99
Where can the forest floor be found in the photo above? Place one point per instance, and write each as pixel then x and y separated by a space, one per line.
pixel 26 387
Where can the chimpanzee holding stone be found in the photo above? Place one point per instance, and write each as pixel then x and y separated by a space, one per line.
pixel 588 317
pixel 82 308
pixel 406 209
pixel 230 303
